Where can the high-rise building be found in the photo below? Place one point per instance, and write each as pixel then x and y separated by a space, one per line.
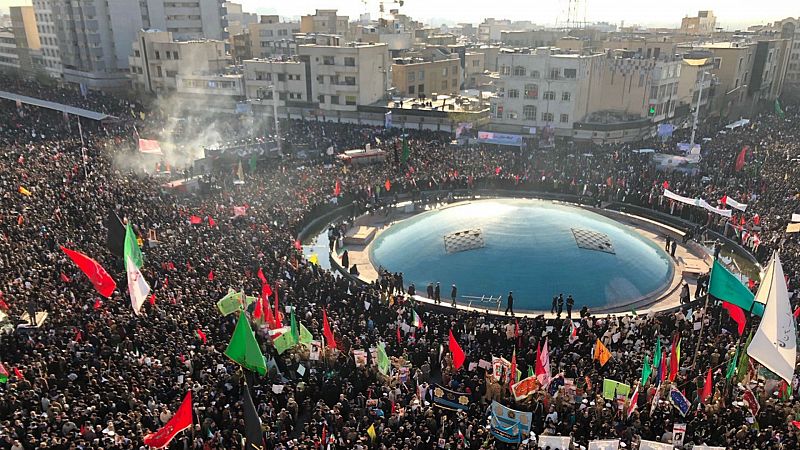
pixel 26 38
pixel 94 37
pixel 45 24
pixel 324 21
pixel 703 24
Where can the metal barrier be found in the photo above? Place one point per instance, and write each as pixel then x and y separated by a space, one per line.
pixel 490 299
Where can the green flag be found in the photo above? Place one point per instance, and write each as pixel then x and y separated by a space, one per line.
pixel 657 355
pixel 613 388
pixel 230 303
pixel 732 365
pixel 3 374
pixel 243 348
pixel 744 359
pixel 383 359
pixel 284 342
pixel 131 248
pixel 305 336
pixel 778 109
pixel 725 286
pixel 647 369
pixel 253 162
pixel 530 371
pixel 295 328
pixel 406 151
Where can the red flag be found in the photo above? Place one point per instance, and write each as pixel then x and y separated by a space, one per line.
pixel 740 159
pixel 98 304
pixel 194 220
pixel 179 422
pixel 513 377
pixel 751 284
pixel 17 373
pixel 665 184
pixel 663 370
pixel 707 386
pixel 211 222
pixel 337 189
pixel 756 219
pixel 517 334
pixel 101 280
pixel 458 354
pixel 65 278
pixel 266 290
pixel 4 305
pixel 497 170
pixel 673 360
pixel 399 338
pixel 152 299
pixel 262 277
pixel 267 311
pixel 211 275
pixel 326 331
pixel 277 310
pixel 737 314
pixel 724 200
pixel 258 309
pixel 78 336
pixel 297 244
pixel 202 336
pixel 796 423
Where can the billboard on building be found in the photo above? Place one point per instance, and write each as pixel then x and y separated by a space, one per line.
pixel 488 137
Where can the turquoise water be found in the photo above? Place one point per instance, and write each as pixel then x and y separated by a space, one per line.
pixel 529 249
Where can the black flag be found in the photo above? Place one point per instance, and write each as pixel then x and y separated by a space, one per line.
pixel 254 438
pixel 116 235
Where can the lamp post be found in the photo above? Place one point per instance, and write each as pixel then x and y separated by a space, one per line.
pixel 697 63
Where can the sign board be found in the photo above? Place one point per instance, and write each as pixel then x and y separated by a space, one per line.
pixel 555 442
pixel 489 137
pixel 652 445
pixel 612 444
pixel 678 433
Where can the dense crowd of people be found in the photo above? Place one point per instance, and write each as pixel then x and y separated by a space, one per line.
pixel 95 375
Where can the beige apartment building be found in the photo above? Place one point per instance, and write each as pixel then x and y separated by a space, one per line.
pixel 324 21
pixel 266 36
pixel 702 24
pixel 269 81
pixel 417 78
pixel 157 59
pixel 474 66
pixel 343 77
pixel 26 38
pixel 657 47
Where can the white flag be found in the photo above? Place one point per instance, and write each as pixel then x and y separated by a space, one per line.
pixel 774 343
pixel 137 285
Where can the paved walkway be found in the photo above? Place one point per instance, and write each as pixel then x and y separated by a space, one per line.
pixel 649 229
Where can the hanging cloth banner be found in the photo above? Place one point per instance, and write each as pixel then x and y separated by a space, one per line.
pixel 699 202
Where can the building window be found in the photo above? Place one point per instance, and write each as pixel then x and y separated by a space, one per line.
pixel 158 72
pixel 281 77
pixel 444 84
pixel 505 70
pixel 549 95
pixel 529 111
pixel 350 100
pixel 321 98
pixel 476 63
pixel 349 61
pixel 411 76
pixel 718 63
pixel 570 73
pixel 564 118
pixel 444 71
pixel 169 55
pixel 327 60
pixel 320 79
pixel 555 73
pixel 136 53
pixel 411 89
pixel 453 83
pixel 158 54
pixel 421 75
pixel 513 93
pixel 175 55
pixel 565 96
pixel 547 117
pixel 519 71
pixel 531 91
pixel 334 99
pixel 499 111
pixel 420 89
pixel 654 92
pixel 350 81
pixel 535 74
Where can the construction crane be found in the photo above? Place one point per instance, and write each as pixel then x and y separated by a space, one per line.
pixel 381 3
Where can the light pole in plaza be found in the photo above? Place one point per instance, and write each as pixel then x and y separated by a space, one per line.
pixel 700 62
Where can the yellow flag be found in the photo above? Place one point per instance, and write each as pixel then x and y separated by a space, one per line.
pixel 24 191
pixel 601 353
pixel 314 259
pixel 141 115
pixel 371 432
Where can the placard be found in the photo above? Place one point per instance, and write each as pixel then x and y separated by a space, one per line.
pixel 652 445
pixel 555 442
pixel 678 434
pixel 611 444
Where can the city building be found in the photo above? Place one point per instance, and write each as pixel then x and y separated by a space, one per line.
pixel 642 46
pixel 50 49
pixel 490 29
pixel 544 89
pixel 530 38
pixel 474 66
pixel 237 19
pixel 9 59
pixel 344 77
pixel 324 21
pixel 273 83
pixel 157 60
pixel 267 35
pixel 789 29
pixel 95 37
pixel 185 19
pixel 218 86
pixel 702 24
pixel 423 79
pixel 26 37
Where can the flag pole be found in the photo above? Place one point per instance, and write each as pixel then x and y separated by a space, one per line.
pixel 83 147
pixel 702 328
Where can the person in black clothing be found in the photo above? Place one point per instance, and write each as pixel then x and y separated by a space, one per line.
pixel 453 293
pixel 555 303
pixel 345 259
pixel 437 291
pixel 674 247
pixel 510 303
pixel 430 291
pixel 584 311
pixel 560 304
pixel 570 304
pixel 412 290
pixel 669 241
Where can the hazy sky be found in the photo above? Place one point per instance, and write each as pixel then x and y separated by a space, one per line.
pixel 731 14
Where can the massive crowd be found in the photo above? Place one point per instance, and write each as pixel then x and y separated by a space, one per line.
pixel 97 376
